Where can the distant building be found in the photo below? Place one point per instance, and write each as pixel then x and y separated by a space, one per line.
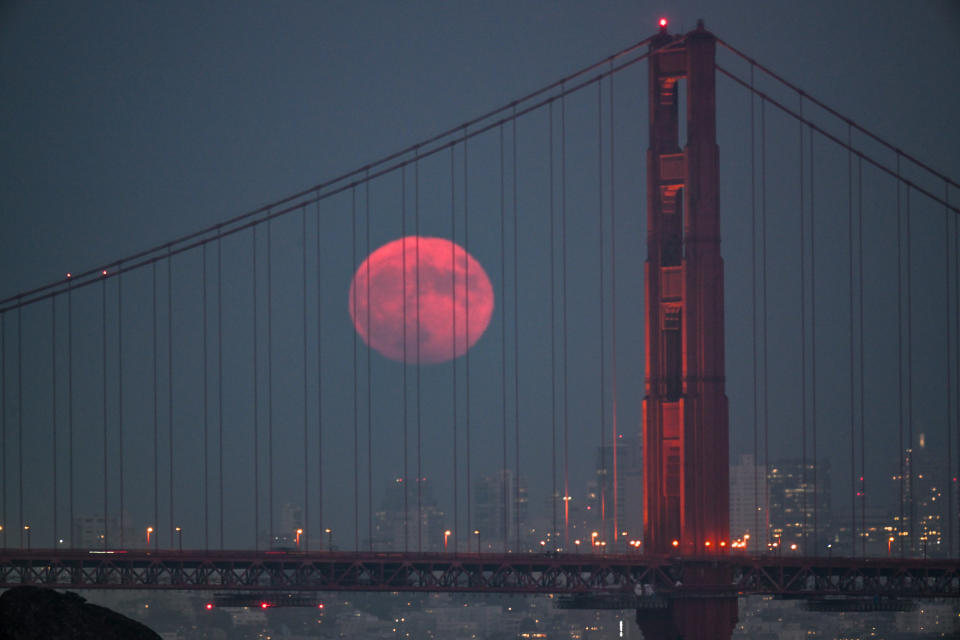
pixel 397 529
pixel 97 532
pixel 499 507
pixel 617 498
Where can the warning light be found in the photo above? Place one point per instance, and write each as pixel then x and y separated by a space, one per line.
pixel 104 272
pixel 69 275
pixel 208 606
pixel 320 606
pixel 676 543
pixel 707 543
pixel 264 605
pixel 663 23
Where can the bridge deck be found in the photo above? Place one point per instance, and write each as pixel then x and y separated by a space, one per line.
pixel 573 574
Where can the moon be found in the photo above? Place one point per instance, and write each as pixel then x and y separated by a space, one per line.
pixel 421 300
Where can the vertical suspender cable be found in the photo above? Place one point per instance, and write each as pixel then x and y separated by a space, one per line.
pixel 903 470
pixel 949 355
pixel 956 342
pixel 156 411
pixel 853 466
pixel 366 207
pixel 3 427
pixel 553 340
pixel 270 379
pixel 20 414
pixel 603 321
pixel 256 403
pixel 119 393
pixel 220 377
pixel 320 520
pixel 909 364
pixel 356 381
pixel 803 343
pixel 503 346
pixel 103 343
pixel 453 346
pixel 863 460
pixel 516 342
pixel 73 543
pixel 466 332
pixel 206 401
pixel 416 231
pixel 306 457
pixel 613 314
pixel 763 306
pixel 53 430
pixel 403 368
pixel 753 317
pixel 563 280
pixel 813 345
pixel 170 381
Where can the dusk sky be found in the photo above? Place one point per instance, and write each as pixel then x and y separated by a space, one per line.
pixel 126 124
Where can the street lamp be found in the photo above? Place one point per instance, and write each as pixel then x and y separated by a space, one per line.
pixel 576 545
pixel 299 533
pixel 889 544
pixel 593 539
pixel 179 538
pixel 446 536
pixel 329 533
pixel 149 531
pixel 476 532
pixel 26 528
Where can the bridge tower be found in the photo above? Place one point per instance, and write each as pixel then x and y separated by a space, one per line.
pixel 685 430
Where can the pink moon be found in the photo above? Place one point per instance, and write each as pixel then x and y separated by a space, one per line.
pixel 430 280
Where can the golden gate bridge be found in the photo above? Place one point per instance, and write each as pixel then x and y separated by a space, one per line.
pixel 255 386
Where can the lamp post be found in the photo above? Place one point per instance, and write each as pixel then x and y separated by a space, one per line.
pixel 889 544
pixel 179 531
pixel 4 536
pixel 149 531
pixel 446 536
pixel 593 540
pixel 26 528
pixel 576 545
pixel 329 533
pixel 476 532
pixel 299 533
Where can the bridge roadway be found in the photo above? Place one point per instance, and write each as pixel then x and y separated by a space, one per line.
pixel 577 575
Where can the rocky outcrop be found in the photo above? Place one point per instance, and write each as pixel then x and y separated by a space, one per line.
pixel 32 613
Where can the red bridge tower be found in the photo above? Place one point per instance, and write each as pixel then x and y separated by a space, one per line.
pixel 685 431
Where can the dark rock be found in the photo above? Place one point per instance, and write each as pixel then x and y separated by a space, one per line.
pixel 32 613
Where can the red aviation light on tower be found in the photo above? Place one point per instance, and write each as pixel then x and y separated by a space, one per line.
pixel 663 24
pixel 208 606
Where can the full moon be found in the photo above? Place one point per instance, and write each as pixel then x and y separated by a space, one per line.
pixel 421 300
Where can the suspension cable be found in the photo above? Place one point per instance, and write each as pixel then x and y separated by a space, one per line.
pixel 320 520
pixel 119 397
pixel 753 320
pixel 613 314
pixel 553 340
pixel 367 247
pixel 206 407
pixel 220 381
pixel 103 344
pixel 403 368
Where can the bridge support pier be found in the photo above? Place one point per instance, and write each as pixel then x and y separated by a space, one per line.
pixel 708 612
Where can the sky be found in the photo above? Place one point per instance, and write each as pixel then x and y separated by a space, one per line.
pixel 125 124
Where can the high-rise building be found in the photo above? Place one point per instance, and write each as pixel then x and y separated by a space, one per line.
pixel 800 509
pixel 748 500
pixel 922 522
